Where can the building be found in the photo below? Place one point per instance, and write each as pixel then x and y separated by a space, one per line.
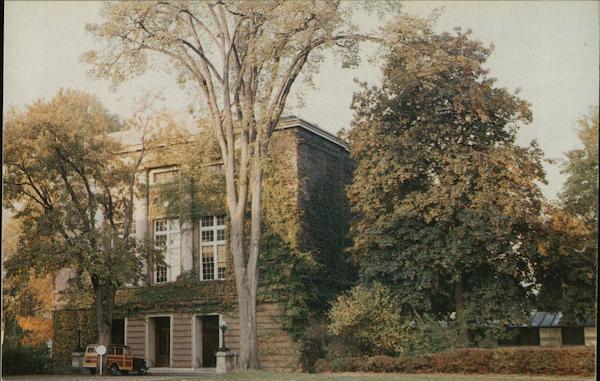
pixel 548 329
pixel 172 319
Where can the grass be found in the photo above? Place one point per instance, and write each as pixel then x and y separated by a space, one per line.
pixel 273 376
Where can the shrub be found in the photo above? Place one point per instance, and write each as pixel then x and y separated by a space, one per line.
pixel 369 319
pixel 313 345
pixel 522 360
pixel 26 360
pixel 430 335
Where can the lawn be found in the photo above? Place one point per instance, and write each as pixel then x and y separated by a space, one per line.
pixel 271 376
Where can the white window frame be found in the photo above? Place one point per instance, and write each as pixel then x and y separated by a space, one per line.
pixel 167 233
pixel 215 243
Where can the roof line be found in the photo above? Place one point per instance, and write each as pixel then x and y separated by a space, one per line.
pixel 292 122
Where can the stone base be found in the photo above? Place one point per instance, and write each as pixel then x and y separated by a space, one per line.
pixel 226 361
pixel 77 360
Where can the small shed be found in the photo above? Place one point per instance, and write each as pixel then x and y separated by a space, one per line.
pixel 549 329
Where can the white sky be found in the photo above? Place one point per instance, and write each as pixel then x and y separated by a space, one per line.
pixel 548 49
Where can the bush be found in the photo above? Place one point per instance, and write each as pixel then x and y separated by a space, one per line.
pixel 26 360
pixel 522 360
pixel 368 318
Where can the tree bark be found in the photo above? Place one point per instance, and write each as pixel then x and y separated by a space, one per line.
pixel 248 335
pixel 105 300
pixel 459 305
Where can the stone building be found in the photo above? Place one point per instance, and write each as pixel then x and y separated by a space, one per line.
pixel 172 319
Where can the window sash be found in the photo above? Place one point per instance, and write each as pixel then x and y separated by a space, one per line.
pixel 213 247
pixel 167 235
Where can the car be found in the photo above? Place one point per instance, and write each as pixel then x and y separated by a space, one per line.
pixel 118 359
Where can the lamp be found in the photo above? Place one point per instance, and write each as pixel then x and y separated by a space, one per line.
pixel 223 329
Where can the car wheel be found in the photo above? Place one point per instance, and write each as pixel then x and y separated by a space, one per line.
pixel 114 370
pixel 142 370
pixel 92 371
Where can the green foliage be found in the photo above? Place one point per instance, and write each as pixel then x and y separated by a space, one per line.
pixel 185 295
pixel 370 319
pixel 580 193
pixel 200 189
pixel 445 204
pixel 540 361
pixel 19 359
pixel 567 269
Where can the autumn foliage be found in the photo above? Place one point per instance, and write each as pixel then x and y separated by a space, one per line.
pixel 525 360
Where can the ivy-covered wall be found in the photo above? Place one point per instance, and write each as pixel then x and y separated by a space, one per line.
pixel 69 326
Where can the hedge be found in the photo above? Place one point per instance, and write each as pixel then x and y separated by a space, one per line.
pixel 522 360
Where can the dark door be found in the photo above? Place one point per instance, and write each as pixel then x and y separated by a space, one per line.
pixel 210 340
pixel 163 341
pixel 117 334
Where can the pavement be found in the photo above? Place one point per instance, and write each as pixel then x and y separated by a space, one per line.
pixel 83 377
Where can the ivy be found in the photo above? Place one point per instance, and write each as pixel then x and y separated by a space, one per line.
pixel 185 295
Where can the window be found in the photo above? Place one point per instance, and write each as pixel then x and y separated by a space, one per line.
pixel 166 236
pixel 119 351
pixel 165 176
pixel 161 274
pixel 213 249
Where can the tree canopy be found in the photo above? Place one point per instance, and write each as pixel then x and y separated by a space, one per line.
pixel 580 192
pixel 445 204
pixel 73 194
pixel 568 269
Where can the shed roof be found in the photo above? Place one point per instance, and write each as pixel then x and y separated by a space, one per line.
pixel 544 319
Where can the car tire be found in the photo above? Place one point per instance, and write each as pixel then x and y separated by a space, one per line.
pixel 92 371
pixel 114 370
pixel 142 371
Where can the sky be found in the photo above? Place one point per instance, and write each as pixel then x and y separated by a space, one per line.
pixel 550 50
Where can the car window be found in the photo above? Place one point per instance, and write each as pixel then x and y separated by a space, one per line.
pixel 126 351
pixel 90 350
pixel 119 351
pixel 111 350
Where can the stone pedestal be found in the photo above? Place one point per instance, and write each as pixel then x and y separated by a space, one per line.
pixel 226 361
pixel 77 360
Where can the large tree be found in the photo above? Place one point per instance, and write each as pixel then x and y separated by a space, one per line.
pixel 445 204
pixel 73 195
pixel 239 60
pixel 567 270
pixel 580 192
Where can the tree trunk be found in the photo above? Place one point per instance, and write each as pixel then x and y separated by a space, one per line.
pixel 248 335
pixel 246 298
pixel 105 301
pixel 459 305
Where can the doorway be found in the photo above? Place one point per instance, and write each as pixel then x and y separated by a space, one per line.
pixel 210 340
pixel 163 341
pixel 117 334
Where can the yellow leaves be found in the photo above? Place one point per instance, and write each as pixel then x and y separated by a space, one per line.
pixel 38 329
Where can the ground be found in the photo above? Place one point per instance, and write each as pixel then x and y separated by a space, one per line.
pixel 271 376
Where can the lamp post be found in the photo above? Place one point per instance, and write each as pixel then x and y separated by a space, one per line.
pixel 223 329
